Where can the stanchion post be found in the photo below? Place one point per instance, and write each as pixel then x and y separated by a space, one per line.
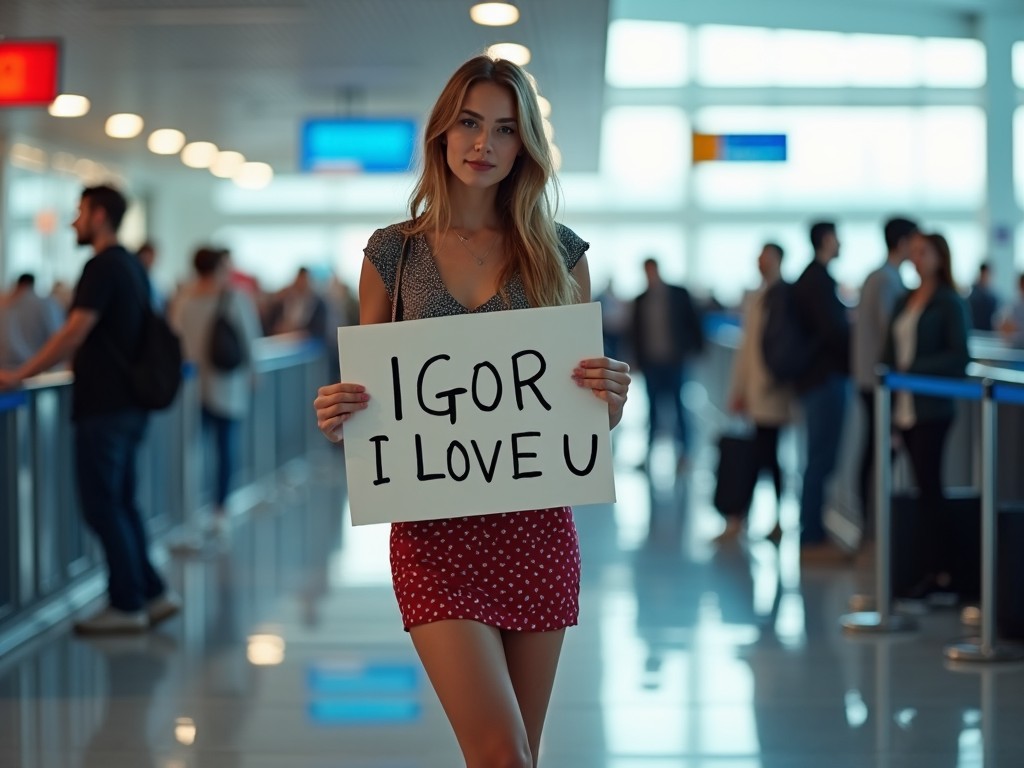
pixel 985 647
pixel 882 619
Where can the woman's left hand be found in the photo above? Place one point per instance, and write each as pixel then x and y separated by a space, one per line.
pixel 608 379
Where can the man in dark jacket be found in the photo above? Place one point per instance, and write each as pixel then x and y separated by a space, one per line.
pixel 667 332
pixel 823 387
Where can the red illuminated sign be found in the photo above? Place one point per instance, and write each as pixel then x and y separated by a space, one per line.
pixel 29 72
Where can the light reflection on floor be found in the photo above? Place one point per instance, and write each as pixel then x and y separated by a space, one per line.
pixel 688 655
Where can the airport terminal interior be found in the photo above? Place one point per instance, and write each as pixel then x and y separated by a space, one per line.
pixel 284 133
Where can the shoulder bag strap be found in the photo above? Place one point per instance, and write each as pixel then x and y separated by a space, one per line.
pixel 396 307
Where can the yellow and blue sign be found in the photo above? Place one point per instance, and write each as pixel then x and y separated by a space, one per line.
pixel 739 147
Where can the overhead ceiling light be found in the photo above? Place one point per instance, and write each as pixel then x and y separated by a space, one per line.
pixel 165 141
pixel 69 105
pixel 227 164
pixel 199 154
pixel 494 14
pixel 514 52
pixel 124 126
pixel 253 175
pixel 545 106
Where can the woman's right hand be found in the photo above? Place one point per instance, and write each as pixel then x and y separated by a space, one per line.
pixel 335 405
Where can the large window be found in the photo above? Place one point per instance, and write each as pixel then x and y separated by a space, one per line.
pixel 756 57
pixel 645 156
pixel 647 54
pixel 850 158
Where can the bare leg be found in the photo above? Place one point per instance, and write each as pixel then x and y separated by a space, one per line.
pixel 532 659
pixel 466 664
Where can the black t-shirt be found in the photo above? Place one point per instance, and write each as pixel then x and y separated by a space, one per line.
pixel 115 286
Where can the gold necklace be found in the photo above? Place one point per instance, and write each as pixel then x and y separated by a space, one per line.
pixel 479 259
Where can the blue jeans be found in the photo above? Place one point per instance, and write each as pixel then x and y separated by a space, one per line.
pixel 665 388
pixel 105 452
pixel 223 433
pixel 824 414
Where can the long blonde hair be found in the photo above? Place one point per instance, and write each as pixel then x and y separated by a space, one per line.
pixel 524 197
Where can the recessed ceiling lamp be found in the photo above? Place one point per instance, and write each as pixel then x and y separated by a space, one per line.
pixel 199 154
pixel 69 105
pixel 124 126
pixel 166 141
pixel 227 164
pixel 545 106
pixel 514 52
pixel 494 14
pixel 253 175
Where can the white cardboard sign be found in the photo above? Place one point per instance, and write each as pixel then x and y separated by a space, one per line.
pixel 475 414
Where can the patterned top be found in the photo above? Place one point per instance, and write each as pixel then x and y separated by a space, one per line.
pixel 424 293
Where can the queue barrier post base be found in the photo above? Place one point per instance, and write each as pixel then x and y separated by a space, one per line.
pixel 974 650
pixel 872 622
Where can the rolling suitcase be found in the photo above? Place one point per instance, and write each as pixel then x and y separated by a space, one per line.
pixel 736 474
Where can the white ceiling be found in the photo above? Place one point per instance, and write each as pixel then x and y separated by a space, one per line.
pixel 243 73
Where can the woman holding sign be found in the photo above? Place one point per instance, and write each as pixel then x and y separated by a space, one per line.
pixel 486 599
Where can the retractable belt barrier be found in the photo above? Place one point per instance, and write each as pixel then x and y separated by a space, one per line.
pixel 883 620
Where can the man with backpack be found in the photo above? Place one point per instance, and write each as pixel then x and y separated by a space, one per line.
pixel 823 385
pixel 104 327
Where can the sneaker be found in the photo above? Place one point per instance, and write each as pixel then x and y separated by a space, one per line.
pixel 111 621
pixel 161 608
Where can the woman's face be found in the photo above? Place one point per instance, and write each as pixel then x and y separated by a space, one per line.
pixel 483 142
pixel 924 257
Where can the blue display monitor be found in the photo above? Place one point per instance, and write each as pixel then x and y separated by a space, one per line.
pixel 359 145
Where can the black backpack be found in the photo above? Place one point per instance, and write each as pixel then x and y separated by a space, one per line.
pixel 154 375
pixel 786 348
pixel 224 347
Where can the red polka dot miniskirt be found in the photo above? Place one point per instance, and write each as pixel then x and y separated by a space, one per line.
pixel 515 571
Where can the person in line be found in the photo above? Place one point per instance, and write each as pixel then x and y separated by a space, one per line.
pixel 1012 324
pixel 225 394
pixel 982 300
pixel 878 296
pixel 823 388
pixel 928 336
pixel 666 333
pixel 614 321
pixel 27 321
pixel 147 258
pixel 106 320
pixel 299 309
pixel 482 233
pixel 754 393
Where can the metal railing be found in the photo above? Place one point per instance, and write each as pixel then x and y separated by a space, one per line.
pixel 988 392
pixel 50 564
